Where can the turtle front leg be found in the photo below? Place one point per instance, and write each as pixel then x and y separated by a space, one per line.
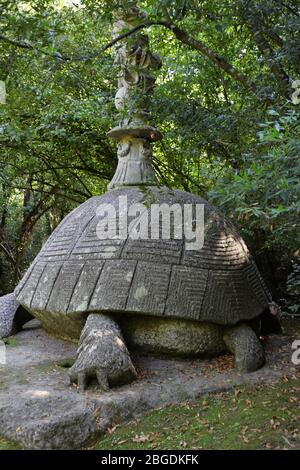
pixel 242 341
pixel 102 354
pixel 12 316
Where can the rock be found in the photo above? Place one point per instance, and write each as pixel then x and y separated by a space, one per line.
pixel 246 347
pixel 12 316
pixel 76 273
pixel 174 337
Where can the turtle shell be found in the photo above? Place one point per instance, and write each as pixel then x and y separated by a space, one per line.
pixel 76 272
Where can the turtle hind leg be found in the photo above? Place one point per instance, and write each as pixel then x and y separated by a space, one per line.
pixel 12 316
pixel 242 341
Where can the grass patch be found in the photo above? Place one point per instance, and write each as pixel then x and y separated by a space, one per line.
pixel 8 445
pixel 47 367
pixel 257 417
pixel 11 341
pixel 66 363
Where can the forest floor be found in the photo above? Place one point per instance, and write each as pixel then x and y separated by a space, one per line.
pixel 259 417
pixel 8 445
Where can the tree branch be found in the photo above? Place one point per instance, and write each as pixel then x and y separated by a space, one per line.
pixel 291 9
pixel 59 56
pixel 180 34
pixel 217 60
pixel 257 30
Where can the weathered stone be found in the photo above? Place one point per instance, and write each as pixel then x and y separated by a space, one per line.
pixel 173 337
pixel 12 316
pixel 102 355
pixel 246 347
pixel 225 295
pixel 68 327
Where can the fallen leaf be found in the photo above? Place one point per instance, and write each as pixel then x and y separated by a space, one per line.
pixel 141 438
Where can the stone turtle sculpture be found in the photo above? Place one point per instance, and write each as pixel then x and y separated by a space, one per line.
pixel 151 294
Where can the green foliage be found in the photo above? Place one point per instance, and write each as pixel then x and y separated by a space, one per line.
pixel 293 288
pixel 60 91
pixel 264 195
pixel 8 445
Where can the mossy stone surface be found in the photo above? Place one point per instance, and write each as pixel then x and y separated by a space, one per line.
pixel 171 336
